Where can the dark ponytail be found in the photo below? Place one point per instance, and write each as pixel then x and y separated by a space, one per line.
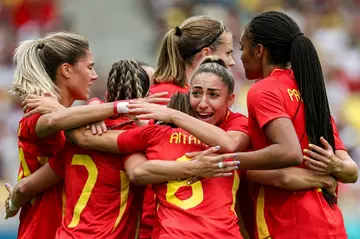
pixel 281 36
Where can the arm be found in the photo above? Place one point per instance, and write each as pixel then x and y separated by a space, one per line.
pixel 291 178
pixel 284 151
pixel 141 171
pixel 209 134
pixel 324 160
pixel 72 117
pixel 347 170
pixel 105 143
pixel 37 182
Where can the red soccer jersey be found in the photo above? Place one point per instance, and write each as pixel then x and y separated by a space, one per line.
pixel 282 213
pixel 171 88
pixel 41 217
pixel 100 200
pixel 185 211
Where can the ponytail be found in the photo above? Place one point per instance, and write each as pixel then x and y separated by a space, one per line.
pixel 31 76
pixel 170 65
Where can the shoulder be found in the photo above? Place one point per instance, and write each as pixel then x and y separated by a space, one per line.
pixel 234 121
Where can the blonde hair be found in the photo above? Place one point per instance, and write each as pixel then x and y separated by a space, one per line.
pixel 217 66
pixel 38 60
pixel 179 46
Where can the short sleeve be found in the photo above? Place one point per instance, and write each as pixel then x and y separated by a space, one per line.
pixel 138 139
pixel 338 143
pixel 57 164
pixel 235 122
pixel 265 105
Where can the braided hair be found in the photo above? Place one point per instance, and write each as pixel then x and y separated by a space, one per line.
pixel 281 36
pixel 127 80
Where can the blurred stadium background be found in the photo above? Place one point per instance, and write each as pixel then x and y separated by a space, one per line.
pixel 133 29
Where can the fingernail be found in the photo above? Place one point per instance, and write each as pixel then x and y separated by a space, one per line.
pixel 217 147
pixel 235 155
pixel 237 162
pixel 188 183
pixel 310 145
pixel 236 167
pixel 7 185
pixel 305 150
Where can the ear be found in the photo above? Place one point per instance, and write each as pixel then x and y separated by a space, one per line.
pixel 106 95
pixel 230 100
pixel 66 70
pixel 206 51
pixel 259 51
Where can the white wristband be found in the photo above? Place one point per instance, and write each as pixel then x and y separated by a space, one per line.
pixel 121 107
pixel 12 207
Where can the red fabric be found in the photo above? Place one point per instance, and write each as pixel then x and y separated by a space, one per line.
pixel 47 206
pixel 112 207
pixel 167 87
pixel 184 211
pixel 288 214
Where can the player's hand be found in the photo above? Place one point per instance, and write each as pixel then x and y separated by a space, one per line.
pixel 97 127
pixel 331 184
pixel 9 213
pixel 322 159
pixel 157 98
pixel 46 104
pixel 151 111
pixel 207 164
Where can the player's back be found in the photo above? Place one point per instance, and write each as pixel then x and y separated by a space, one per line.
pixel 169 87
pixel 202 210
pixel 100 200
pixel 46 207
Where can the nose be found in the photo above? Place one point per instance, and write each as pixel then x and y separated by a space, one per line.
pixel 231 62
pixel 203 104
pixel 94 76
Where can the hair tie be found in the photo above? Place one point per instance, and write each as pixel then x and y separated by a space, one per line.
pixel 178 31
pixel 296 36
pixel 40 44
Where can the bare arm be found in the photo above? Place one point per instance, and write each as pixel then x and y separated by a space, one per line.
pixel 209 134
pixel 37 182
pixel 105 143
pixel 347 170
pixel 285 150
pixel 291 178
pixel 141 171
pixel 72 117
pixel 324 160
pixel 231 141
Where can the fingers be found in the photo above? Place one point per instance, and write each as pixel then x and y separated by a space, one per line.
pixel 103 126
pixel 193 154
pixel 218 175
pixel 326 144
pixel 315 162
pixel 158 100
pixel 209 151
pixel 193 180
pixel 315 168
pixel 8 188
pixel 93 129
pixel 31 112
pixel 318 149
pixel 51 95
pixel 223 157
pixel 317 156
pixel 157 95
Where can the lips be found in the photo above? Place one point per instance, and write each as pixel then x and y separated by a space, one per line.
pixel 204 115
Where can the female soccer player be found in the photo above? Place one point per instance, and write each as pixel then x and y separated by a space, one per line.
pixel 61 64
pixel 288 109
pixel 183 48
pixel 99 177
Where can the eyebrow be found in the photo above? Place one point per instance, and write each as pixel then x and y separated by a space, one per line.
pixel 213 89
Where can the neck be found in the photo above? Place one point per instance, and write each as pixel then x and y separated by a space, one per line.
pixel 189 70
pixel 269 68
pixel 65 97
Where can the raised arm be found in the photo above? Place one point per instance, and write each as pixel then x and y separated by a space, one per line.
pixel 209 134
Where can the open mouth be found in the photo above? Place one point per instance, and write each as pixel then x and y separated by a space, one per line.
pixel 204 116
